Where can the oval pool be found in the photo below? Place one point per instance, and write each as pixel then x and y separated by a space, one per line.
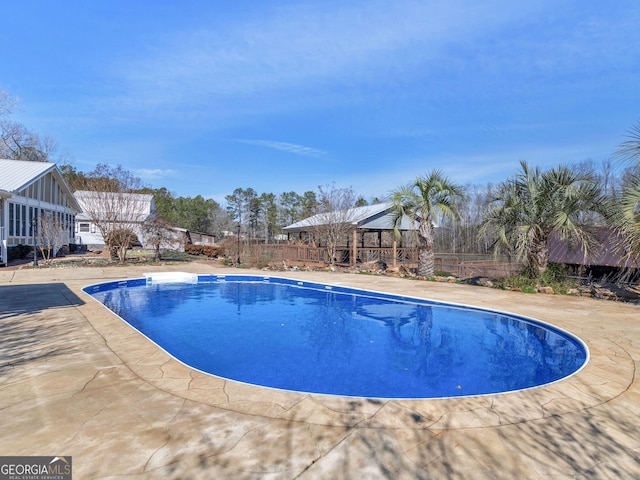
pixel 316 338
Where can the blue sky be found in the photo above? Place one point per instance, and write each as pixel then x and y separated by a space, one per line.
pixel 203 97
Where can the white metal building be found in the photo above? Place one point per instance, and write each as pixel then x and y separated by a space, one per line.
pixel 136 209
pixel 27 190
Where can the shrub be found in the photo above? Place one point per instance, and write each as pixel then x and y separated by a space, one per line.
pixel 555 273
pixel 18 252
pixel 555 276
pixel 76 247
pixel 443 273
pixel 206 250
pixel 193 249
pixel 123 237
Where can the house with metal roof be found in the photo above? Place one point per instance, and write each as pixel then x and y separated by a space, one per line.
pixel 112 211
pixel 31 192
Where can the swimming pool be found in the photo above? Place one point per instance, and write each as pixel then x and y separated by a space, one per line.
pixel 309 337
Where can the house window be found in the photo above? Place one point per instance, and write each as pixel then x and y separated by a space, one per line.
pixel 18 220
pixel 84 227
pixel 11 220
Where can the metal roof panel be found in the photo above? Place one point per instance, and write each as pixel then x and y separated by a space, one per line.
pixel 17 174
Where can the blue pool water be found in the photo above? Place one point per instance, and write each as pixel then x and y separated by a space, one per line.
pixel 315 338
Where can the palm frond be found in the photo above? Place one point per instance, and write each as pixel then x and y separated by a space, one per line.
pixel 629 151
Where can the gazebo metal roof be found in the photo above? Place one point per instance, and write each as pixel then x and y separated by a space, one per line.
pixel 370 217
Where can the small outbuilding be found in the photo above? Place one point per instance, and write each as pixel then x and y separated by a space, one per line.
pixel 609 259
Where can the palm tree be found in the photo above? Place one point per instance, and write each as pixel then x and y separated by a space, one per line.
pixel 626 218
pixel 527 209
pixel 629 225
pixel 426 201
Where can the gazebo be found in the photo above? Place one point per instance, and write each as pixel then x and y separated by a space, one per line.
pixel 358 222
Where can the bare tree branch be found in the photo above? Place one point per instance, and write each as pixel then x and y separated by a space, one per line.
pixel 108 198
pixel 334 221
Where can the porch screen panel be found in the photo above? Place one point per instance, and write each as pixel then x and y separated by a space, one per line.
pixel 12 219
pixel 24 221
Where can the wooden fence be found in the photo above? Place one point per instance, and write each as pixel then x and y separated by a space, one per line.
pixel 460 265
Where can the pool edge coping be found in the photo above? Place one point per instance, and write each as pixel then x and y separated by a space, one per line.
pixel 555 398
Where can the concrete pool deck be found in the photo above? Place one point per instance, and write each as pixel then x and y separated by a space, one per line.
pixel 76 380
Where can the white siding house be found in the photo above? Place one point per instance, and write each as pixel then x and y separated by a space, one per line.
pixel 113 210
pixel 27 191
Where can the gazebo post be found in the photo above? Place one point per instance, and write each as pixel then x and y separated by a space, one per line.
pixel 354 247
pixel 394 252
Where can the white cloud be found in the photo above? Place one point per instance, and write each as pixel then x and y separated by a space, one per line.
pixel 285 146
pixel 153 173
pixel 307 46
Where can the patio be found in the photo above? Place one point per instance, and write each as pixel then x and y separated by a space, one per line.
pixel 76 380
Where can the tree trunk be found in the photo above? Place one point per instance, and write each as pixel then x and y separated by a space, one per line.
pixel 331 249
pixel 426 262
pixel 538 258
